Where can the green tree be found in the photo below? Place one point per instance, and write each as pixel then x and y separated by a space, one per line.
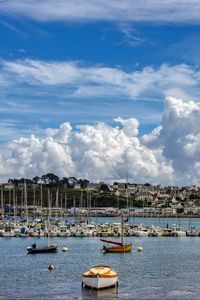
pixel 36 179
pixel 103 187
pixel 84 183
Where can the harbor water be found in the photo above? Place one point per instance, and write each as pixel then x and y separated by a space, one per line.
pixel 167 268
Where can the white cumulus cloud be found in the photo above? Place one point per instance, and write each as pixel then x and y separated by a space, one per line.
pixel 179 138
pixel 96 152
pixel 170 154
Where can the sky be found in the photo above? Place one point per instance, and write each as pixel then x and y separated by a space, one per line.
pixel 100 89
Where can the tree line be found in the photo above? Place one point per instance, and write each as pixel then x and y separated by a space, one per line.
pixel 51 180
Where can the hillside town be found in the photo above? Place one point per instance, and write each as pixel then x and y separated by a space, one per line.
pixel 73 196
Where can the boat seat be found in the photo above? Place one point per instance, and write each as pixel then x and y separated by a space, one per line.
pixel 100 270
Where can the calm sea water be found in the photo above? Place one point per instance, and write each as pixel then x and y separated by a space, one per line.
pixel 168 268
pixel 160 222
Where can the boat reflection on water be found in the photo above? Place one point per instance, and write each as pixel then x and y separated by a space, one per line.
pixel 108 293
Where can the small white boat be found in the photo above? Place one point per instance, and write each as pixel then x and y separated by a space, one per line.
pixel 139 248
pixel 8 231
pixel 100 277
pixel 176 231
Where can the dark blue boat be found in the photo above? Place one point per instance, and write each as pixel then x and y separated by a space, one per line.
pixel 51 248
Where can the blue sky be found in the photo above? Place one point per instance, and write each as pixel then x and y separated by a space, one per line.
pixel 119 44
pixel 84 62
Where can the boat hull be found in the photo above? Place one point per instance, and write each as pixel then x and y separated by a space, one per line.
pixel 118 249
pixel 47 249
pixel 100 277
pixel 99 282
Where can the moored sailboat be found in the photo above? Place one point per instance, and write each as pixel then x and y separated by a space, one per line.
pixel 49 248
pixel 117 247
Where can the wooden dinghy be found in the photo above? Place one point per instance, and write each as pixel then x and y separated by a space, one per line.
pixel 100 277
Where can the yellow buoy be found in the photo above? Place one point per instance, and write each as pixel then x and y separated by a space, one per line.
pixel 51 267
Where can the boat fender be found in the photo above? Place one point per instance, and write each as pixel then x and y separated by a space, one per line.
pixel 65 249
pixel 51 267
pixel 139 248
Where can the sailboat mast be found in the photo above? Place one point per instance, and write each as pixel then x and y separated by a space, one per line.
pixel 90 203
pixel 2 202
pixel 56 203
pixel 25 200
pixel 34 205
pixel 22 202
pixel 61 207
pixel 9 201
pixel 127 196
pixel 41 197
pixel 14 204
pixel 122 230
pixel 65 203
pixel 49 213
pixel 81 204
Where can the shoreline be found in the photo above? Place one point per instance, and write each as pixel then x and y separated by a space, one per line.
pixel 133 216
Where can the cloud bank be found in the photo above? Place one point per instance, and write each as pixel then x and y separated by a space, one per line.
pixel 168 155
pixel 171 11
pixel 71 86
pixel 79 80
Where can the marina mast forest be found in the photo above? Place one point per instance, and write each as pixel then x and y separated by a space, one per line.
pixel 71 195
